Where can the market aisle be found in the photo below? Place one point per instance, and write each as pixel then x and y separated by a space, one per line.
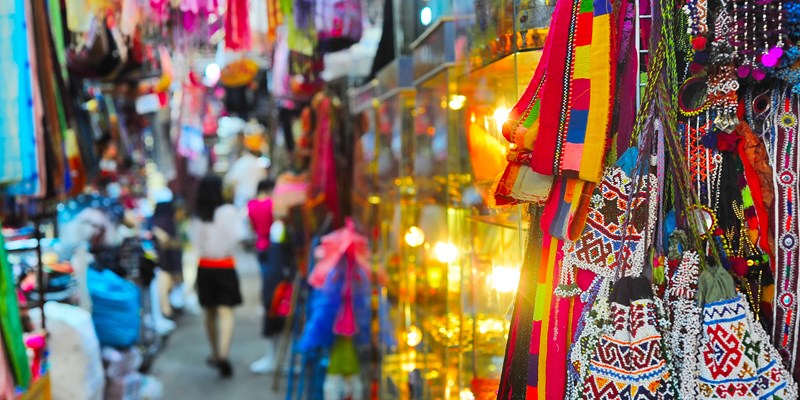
pixel 181 366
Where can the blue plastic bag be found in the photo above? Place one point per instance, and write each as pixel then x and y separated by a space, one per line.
pixel 115 308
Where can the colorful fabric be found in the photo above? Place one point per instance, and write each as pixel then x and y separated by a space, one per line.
pixel 11 322
pixel 785 162
pixel 16 104
pixel 737 359
pixel 571 91
pixel 630 361
pixel 237 26
pixel 684 314
pixel 603 245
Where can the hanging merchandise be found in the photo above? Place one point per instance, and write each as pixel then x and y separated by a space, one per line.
pixel 237 26
pixel 571 90
pixel 338 23
pixel 634 328
pixel 736 358
pixel 300 33
pixel 11 323
pixel 17 118
pixel 324 190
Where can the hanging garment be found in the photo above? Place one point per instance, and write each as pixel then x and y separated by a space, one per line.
pixel 560 125
pixel 12 323
pixel 324 188
pixel 737 360
pixel 34 148
pixel 338 23
pixel 630 361
pixel 237 26
pixel 16 104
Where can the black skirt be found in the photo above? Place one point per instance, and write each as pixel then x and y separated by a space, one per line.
pixel 218 287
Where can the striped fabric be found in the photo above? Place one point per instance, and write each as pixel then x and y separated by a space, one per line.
pixel 560 125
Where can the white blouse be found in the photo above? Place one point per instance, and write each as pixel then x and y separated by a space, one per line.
pixel 219 238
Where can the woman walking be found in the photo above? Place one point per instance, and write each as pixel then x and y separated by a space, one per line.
pixel 216 233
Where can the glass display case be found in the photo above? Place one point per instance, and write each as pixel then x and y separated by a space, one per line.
pixel 493 236
pixel 498 28
pixel 452 258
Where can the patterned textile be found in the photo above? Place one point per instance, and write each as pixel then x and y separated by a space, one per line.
pixel 737 361
pixel 570 91
pixel 629 361
pixel 17 135
pixel 600 248
pixel 684 314
pixel 785 161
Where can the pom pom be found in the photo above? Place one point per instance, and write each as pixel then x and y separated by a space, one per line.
pixel 699 43
pixel 739 266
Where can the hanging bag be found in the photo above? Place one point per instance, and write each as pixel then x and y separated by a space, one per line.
pixel 338 23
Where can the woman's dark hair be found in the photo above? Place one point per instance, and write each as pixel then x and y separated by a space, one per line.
pixel 209 197
pixel 266 185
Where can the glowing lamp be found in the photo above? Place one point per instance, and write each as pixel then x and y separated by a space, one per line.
pixel 504 279
pixel 500 117
pixel 413 336
pixel 425 16
pixel 445 252
pixel 414 236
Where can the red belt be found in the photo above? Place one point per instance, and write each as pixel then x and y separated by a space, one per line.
pixel 224 263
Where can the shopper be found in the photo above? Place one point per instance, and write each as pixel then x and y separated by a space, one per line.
pixel 215 234
pixel 170 250
pixel 261 218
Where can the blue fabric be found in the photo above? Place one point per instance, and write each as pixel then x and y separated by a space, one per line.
pixel 18 160
pixel 324 305
pixel 627 161
pixel 115 308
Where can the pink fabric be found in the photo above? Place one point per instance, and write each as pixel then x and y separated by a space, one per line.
pixel 260 213
pixel 333 247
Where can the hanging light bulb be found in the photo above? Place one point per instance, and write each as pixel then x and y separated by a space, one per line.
pixel 413 336
pixel 504 279
pixel 445 252
pixel 414 236
pixel 500 117
pixel 426 16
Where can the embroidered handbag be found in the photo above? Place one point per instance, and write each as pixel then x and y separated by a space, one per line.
pixel 737 360
pixel 601 247
pixel 630 361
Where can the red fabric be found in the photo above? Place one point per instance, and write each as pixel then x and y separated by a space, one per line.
pixel 237 26
pixel 260 213
pixel 762 226
pixel 221 263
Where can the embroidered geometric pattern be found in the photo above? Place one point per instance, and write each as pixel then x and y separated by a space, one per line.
pixel 683 338
pixel 601 244
pixel 736 359
pixel 629 362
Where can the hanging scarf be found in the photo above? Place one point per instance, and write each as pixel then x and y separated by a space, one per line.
pixel 571 92
pixel 787 231
pixel 237 26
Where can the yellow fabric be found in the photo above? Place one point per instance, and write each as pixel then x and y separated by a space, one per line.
pixel 592 168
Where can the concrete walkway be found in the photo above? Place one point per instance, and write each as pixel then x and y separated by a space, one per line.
pixel 182 369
